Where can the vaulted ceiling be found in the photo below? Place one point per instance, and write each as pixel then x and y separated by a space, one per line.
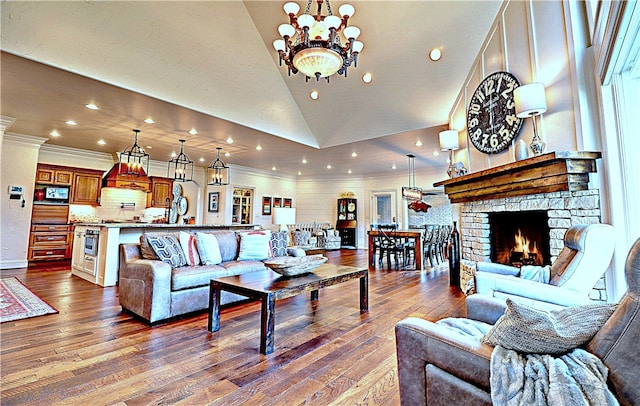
pixel 210 66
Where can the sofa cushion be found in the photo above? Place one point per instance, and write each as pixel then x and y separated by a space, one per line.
pixel 530 330
pixel 188 244
pixel 254 245
pixel 228 243
pixel 279 244
pixel 168 249
pixel 188 277
pixel 238 267
pixel 208 248
pixel 145 249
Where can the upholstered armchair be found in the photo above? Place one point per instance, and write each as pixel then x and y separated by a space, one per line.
pixel 441 365
pixel 586 255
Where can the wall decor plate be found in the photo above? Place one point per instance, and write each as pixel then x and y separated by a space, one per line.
pixel 177 189
pixel 182 205
pixel 173 213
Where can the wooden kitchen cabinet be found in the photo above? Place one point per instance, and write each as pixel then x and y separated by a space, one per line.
pixel 161 192
pixel 50 242
pixel 54 175
pixel 87 186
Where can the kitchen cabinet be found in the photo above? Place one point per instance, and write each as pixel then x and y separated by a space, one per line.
pixel 347 221
pixel 161 192
pixel 50 242
pixel 86 188
pixel 83 264
pixel 54 175
pixel 242 206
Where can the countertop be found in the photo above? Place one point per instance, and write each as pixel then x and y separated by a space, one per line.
pixel 165 225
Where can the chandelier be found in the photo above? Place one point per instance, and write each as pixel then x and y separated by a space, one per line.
pixel 134 160
pixel 312 45
pixel 180 168
pixel 412 192
pixel 218 172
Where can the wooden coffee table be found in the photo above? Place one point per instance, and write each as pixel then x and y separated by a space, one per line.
pixel 268 286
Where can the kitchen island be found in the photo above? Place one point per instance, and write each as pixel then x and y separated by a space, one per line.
pixel 96 257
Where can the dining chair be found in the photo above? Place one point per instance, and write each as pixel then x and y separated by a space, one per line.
pixel 391 245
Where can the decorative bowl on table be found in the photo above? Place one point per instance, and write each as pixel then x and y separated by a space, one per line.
pixel 292 266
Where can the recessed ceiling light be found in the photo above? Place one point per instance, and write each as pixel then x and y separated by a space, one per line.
pixel 394 166
pixel 92 106
pixel 354 154
pixel 227 154
pixel 314 94
pixel 149 146
pixel 366 78
pixel 436 153
pixel 54 133
pixel 201 159
pixel 173 155
pixel 418 143
pixel 328 166
pixel 101 142
pixel 71 122
pixel 193 131
pixel 259 147
pixel 149 120
pixel 435 54
pixel 273 168
pixel 304 160
pixel 229 140
pixel 299 173
pixel 349 171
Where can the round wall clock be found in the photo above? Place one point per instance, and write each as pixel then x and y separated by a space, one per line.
pixel 491 118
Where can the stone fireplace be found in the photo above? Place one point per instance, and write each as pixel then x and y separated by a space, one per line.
pixel 551 189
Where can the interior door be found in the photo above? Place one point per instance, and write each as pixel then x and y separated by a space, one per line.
pixel 383 207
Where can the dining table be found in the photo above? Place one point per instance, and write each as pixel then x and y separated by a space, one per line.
pixel 415 234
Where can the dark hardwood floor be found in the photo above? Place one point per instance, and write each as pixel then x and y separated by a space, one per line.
pixel 326 352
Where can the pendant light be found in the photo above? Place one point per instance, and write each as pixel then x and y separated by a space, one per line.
pixel 412 192
pixel 180 168
pixel 134 160
pixel 218 172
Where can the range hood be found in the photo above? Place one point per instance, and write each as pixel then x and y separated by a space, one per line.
pixel 119 178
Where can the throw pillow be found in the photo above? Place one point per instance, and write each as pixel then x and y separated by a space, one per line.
pixel 301 238
pixel 168 249
pixel 529 330
pixel 145 249
pixel 188 244
pixel 279 244
pixel 208 249
pixel 254 245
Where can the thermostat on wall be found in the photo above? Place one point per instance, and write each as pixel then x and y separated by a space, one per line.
pixel 16 190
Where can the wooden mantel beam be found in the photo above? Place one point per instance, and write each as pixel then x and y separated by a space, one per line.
pixel 550 172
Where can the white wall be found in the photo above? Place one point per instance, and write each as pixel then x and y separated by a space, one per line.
pixel 19 157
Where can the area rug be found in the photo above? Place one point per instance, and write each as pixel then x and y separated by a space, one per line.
pixel 18 302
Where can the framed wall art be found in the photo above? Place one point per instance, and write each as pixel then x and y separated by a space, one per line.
pixel 287 202
pixel 277 202
pixel 214 197
pixel 266 205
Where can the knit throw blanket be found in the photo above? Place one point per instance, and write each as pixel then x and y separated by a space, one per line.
pixel 576 378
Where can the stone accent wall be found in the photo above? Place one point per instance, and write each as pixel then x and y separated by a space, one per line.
pixel 563 208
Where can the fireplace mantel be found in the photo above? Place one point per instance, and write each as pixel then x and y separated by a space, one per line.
pixel 551 172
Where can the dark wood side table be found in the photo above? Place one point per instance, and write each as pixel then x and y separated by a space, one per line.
pixel 268 286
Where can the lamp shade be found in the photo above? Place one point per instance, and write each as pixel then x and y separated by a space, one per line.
pixel 449 140
pixel 530 100
pixel 284 215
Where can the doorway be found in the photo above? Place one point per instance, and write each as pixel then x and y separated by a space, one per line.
pixel 383 207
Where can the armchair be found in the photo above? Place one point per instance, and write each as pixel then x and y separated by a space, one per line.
pixel 587 252
pixel 439 365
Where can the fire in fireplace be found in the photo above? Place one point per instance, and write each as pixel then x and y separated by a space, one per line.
pixel 520 238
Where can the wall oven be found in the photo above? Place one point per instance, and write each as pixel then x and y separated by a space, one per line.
pixel 91 242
